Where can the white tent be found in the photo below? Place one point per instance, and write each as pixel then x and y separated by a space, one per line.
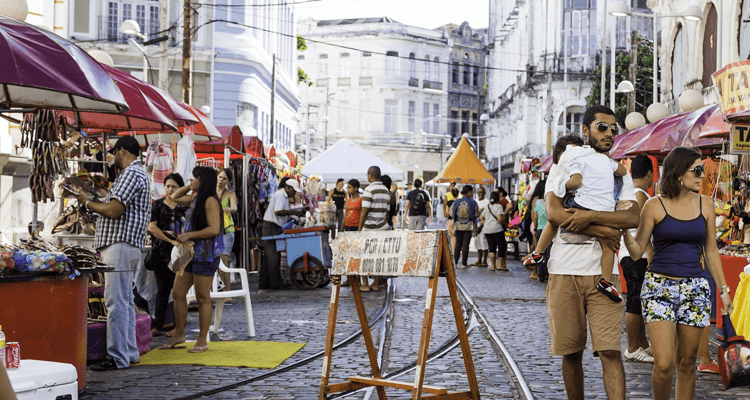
pixel 347 160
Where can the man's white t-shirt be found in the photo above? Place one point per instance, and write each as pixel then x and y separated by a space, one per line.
pixel 583 259
pixel 596 169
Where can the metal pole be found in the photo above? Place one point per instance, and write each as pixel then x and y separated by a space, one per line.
pixel 655 72
pixel 613 45
pixel 245 226
pixel 604 55
pixel 187 44
pixel 273 96
pixel 163 26
pixel 211 94
pixel 145 68
pixel 307 136
pixel 565 81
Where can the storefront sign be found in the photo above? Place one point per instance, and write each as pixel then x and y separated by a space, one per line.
pixel 733 85
pixel 386 253
pixel 740 138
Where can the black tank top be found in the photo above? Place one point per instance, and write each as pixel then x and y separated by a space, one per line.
pixel 338 198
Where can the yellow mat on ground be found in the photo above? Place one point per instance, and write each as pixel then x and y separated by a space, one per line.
pixel 227 354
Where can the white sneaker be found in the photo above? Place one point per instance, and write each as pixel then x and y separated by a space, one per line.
pixel 640 355
pixel 649 351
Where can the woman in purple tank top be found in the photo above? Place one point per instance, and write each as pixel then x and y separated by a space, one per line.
pixel 676 298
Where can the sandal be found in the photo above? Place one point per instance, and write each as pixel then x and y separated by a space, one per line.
pixel 198 349
pixel 175 346
pixel 491 269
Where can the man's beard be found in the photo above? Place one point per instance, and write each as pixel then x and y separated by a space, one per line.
pixel 596 145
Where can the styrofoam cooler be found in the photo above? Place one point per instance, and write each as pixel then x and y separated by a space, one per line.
pixel 44 380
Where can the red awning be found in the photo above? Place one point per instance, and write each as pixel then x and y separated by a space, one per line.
pixel 624 141
pixel 546 164
pixel 715 126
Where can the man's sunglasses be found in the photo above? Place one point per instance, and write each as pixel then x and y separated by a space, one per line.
pixel 698 171
pixel 602 127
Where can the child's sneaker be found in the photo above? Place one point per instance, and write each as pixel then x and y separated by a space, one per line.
pixel 534 258
pixel 608 289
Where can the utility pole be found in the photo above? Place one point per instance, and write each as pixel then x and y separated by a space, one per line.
pixel 549 115
pixel 187 45
pixel 633 70
pixel 273 96
pixel 163 21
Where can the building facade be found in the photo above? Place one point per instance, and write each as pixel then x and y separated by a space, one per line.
pixel 466 91
pixel 530 100
pixel 380 83
pixel 693 50
pixel 232 60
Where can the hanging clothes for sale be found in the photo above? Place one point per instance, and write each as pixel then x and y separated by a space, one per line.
pixel 718 177
pixel 159 156
pixel 186 158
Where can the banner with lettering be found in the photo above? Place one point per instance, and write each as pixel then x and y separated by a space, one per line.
pixel 733 84
pixel 740 138
pixel 386 253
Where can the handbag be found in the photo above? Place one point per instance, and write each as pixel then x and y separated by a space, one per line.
pixel 734 357
pixel 148 262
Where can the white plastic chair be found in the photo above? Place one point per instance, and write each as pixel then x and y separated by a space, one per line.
pixel 222 296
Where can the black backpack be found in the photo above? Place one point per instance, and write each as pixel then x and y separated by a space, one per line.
pixel 418 203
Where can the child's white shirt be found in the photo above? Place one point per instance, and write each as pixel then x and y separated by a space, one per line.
pixel 597 171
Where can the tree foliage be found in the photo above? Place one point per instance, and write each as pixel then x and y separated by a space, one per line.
pixel 643 83
pixel 301 75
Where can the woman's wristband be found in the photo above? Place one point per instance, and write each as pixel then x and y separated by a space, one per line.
pixel 724 290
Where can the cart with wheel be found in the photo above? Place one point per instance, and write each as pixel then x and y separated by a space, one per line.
pixel 308 254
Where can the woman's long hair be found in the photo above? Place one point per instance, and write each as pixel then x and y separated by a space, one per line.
pixel 207 178
pixel 676 163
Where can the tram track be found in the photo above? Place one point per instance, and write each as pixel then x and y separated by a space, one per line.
pixel 383 319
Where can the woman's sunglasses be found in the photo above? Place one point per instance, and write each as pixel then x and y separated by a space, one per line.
pixel 602 127
pixel 698 171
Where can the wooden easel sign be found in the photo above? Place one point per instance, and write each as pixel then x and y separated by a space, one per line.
pixel 394 253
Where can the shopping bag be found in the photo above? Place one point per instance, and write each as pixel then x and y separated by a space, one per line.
pixel 734 357
pixel 182 254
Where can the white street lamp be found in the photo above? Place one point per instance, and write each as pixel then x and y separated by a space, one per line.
pixel 634 120
pixel 130 27
pixel 625 87
pixel 656 111
pixel 17 9
pixel 621 9
pixel 101 57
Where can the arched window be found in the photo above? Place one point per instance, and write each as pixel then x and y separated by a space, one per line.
pixel 436 70
pixel 744 32
pixel 344 65
pixel 412 65
pixel 710 44
pixel 427 69
pixel 679 61
pixel 323 66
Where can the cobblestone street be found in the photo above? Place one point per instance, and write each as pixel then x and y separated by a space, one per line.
pixel 513 305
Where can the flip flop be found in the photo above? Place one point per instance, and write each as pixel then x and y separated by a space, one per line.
pixel 198 349
pixel 173 347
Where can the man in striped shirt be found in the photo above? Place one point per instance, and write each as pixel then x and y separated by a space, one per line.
pixel 375 203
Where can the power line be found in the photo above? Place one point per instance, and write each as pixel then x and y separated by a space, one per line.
pixel 286 3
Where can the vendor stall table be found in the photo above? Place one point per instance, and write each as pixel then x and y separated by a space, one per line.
pixel 46 315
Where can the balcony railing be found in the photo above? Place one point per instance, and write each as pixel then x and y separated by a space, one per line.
pixel 413 82
pixel 365 81
pixel 432 85
pixel 322 82
pixel 399 137
pixel 391 81
pixel 343 82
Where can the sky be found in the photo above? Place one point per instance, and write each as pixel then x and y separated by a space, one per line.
pixel 421 13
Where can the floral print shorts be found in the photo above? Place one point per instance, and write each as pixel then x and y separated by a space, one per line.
pixel 685 301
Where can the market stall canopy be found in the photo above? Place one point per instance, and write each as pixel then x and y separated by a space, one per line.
pixel 464 167
pixel 625 140
pixel 546 164
pixel 148 110
pixel 203 131
pixel 43 70
pixel 715 126
pixel 230 136
pixel 347 160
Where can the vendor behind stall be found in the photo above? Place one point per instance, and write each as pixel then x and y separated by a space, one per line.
pixel 120 236
pixel 277 215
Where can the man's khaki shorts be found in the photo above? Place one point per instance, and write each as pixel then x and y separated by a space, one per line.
pixel 570 301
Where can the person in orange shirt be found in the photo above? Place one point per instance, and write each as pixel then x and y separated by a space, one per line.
pixel 353 212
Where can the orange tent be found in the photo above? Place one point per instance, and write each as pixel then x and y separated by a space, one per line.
pixel 464 167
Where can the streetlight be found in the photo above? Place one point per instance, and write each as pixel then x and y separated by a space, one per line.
pixel 621 9
pixel 325 133
pixel 130 27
